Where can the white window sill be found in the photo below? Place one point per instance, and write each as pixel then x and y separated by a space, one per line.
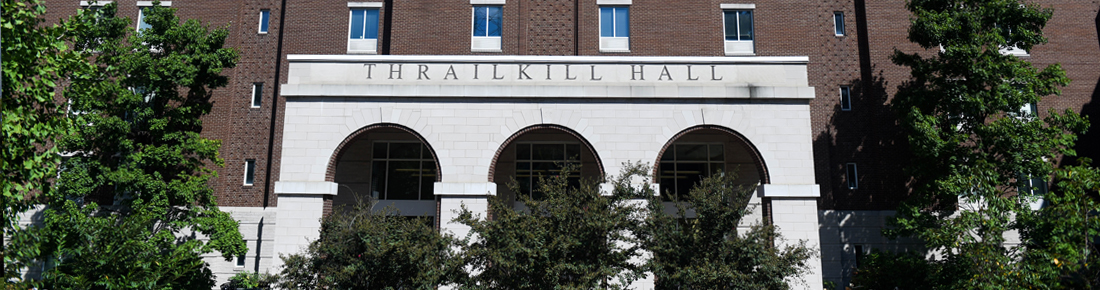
pixel 261 32
pixel 1014 51
pixel 485 44
pixel 362 46
pixel 614 50
pixel 740 48
pixel 486 50
pixel 614 44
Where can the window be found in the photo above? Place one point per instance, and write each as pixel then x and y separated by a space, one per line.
pixel 249 171
pixel 402 170
pixel 684 165
pixel 838 23
pixel 853 176
pixel 544 159
pixel 257 94
pixel 1006 32
pixel 739 33
pixel 265 17
pixel 141 19
pixel 1030 109
pixel 1031 184
pixel 240 261
pixel 615 29
pixel 487 27
pixel 845 98
pixel 363 27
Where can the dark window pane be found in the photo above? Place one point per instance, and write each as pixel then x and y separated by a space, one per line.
pixel 572 151
pixel 494 18
pixel 425 153
pixel 731 24
pixel 404 182
pixel 357 21
pixel 688 175
pixel 544 168
pixel 427 180
pixel 717 153
pixel 838 19
pixel 249 171
pixel 691 152
pixel 405 150
pixel 853 177
pixel 378 178
pixel 607 22
pixel 523 152
pixel 670 154
pixel 380 150
pixel 479 21
pixel 744 19
pixel 716 167
pixel 548 151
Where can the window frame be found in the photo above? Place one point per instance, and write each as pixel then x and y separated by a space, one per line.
pixel 426 156
pixel 839 29
pixel 249 172
pixel 142 5
pixel 532 183
pixel 486 43
pixel 364 45
pixel 265 19
pixel 675 170
pixel 257 94
pixel 845 98
pixel 739 47
pixel 851 175
pixel 615 42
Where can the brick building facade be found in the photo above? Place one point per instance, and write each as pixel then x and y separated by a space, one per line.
pixel 781 97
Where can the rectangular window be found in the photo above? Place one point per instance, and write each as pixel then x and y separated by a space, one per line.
pixel 838 23
pixel 487 26
pixel 534 160
pixel 853 176
pixel 402 170
pixel 684 165
pixel 1031 184
pixel 265 17
pixel 141 19
pixel 249 171
pixel 845 98
pixel 738 31
pixel 615 29
pixel 363 30
pixel 240 261
pixel 257 94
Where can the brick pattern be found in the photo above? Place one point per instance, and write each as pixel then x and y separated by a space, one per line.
pixel 330 174
pixel 587 145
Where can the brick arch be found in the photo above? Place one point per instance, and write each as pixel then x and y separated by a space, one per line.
pixel 330 173
pixel 563 129
pixel 758 160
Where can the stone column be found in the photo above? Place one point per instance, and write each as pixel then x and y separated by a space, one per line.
pixel 298 219
pixel 794 213
pixel 453 195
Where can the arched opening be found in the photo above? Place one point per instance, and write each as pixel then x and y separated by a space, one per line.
pixel 387 163
pixel 701 151
pixel 541 150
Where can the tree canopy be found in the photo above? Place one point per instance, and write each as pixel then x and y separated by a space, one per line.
pixel 131 207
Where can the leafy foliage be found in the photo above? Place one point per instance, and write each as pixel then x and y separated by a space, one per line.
pixel 708 251
pixel 975 149
pixel 36 58
pixel 364 249
pixel 132 199
pixel 573 238
pixel 250 280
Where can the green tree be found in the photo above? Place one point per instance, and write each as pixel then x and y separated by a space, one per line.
pixel 132 208
pixel 572 238
pixel 708 251
pixel 35 59
pixel 360 248
pixel 978 156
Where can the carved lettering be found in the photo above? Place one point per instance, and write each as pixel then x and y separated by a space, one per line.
pixel 451 73
pixel 423 72
pixel 689 74
pixel 495 77
pixel 712 76
pixel 593 73
pixel 523 72
pixel 637 74
pixel 664 73
pixel 475 71
pixel 567 73
pixel 547 72
pixel 398 71
pixel 369 66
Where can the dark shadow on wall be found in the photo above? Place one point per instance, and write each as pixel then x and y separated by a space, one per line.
pixel 869 136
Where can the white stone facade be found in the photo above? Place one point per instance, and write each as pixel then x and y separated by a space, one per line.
pixel 465 108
